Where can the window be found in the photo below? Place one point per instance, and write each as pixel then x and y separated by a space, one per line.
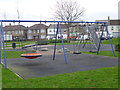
pixel 13 32
pixel 29 31
pixel 112 28
pixel 17 32
pixel 34 31
pixel 8 32
pixel 42 31
pixel 20 32
pixel 50 30
pixel 38 31
pixel 43 36
pixel 30 37
pixel 116 34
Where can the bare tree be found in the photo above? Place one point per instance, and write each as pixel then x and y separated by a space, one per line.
pixel 68 10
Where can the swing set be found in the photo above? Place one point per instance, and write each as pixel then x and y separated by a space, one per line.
pixel 35 55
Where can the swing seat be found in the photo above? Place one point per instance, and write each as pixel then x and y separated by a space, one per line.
pixel 31 55
pixel 76 52
pixel 93 51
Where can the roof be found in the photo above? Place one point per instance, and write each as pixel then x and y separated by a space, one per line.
pixel 38 26
pixel 62 26
pixel 15 27
pixel 112 22
pixel 115 22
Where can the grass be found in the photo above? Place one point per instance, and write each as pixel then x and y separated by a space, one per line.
pixel 0 76
pixel 13 54
pixel 114 41
pixel 19 43
pixel 16 54
pixel 99 78
pixel 104 53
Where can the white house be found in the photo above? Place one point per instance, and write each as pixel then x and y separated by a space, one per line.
pixel 8 37
pixel 113 27
pixel 51 31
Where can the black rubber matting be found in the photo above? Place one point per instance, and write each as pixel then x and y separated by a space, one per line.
pixel 45 66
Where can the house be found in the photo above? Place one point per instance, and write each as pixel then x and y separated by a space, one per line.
pixel 113 27
pixel 20 32
pixel 37 31
pixel 51 31
pixel 77 29
pixel 15 32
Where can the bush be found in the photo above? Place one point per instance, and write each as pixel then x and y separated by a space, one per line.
pixel 117 47
pixel 42 42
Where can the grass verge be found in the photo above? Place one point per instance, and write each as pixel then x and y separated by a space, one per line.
pixel 104 53
pixel 99 78
pixel 114 41
pixel 13 54
pixel 0 76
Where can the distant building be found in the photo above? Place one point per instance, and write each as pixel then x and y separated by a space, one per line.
pixel 37 31
pixel 15 32
pixel 51 31
pixel 20 32
pixel 77 29
pixel 114 27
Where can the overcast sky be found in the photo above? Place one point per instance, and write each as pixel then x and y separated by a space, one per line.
pixel 43 9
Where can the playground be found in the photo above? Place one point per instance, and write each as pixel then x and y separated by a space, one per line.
pixel 45 66
pixel 36 61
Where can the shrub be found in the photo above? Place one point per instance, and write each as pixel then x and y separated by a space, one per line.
pixel 58 41
pixel 117 47
pixel 42 42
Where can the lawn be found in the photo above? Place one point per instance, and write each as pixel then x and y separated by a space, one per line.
pixel 13 54
pixel 114 41
pixel 99 78
pixel 0 76
pixel 104 53
pixel 19 43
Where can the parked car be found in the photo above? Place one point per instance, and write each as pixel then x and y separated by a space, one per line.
pixel 106 38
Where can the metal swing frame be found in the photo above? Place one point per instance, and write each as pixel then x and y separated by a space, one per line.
pixel 2 46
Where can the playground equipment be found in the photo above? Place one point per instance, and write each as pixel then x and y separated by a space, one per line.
pixel 97 42
pixel 31 55
pixel 83 34
pixel 77 31
pixel 92 37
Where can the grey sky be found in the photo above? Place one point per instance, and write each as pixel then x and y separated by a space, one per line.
pixel 42 9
